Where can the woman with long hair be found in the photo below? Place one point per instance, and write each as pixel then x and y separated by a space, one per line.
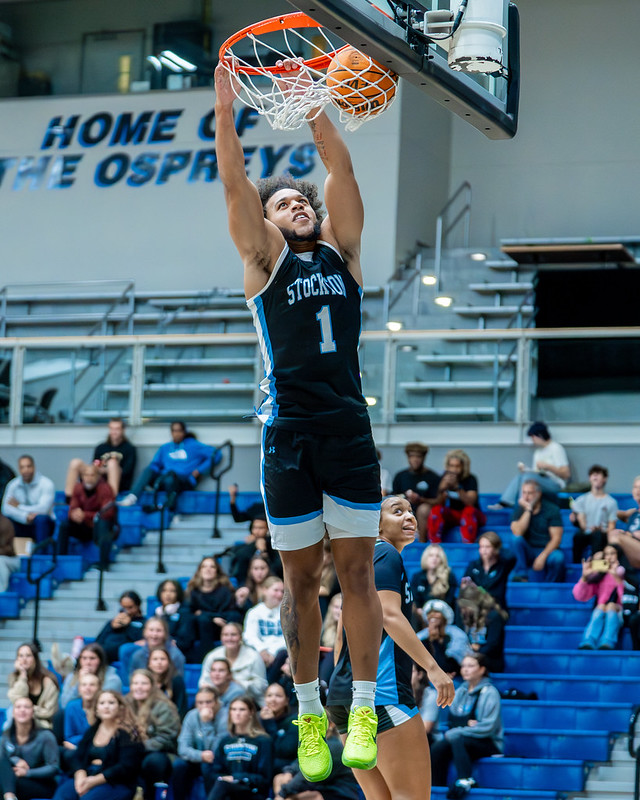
pixel 277 718
pixel 251 592
pixel 28 756
pixel 457 500
pixel 31 679
pixel 93 660
pixel 401 735
pixel 155 634
pixel 158 718
pixel 106 764
pixel 247 668
pixel 243 762
pixel 211 602
pixel 475 727
pixel 328 637
pixel 167 679
pixel 175 611
pixel 434 580
pixel 483 622
pixel 79 715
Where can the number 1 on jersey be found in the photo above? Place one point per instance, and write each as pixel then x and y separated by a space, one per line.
pixel 327 343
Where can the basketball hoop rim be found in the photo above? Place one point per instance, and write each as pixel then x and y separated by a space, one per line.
pixel 281 22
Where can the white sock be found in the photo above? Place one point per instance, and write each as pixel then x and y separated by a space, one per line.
pixel 364 694
pixel 309 698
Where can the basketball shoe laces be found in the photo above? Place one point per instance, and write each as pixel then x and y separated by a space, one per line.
pixel 311 735
pixel 363 729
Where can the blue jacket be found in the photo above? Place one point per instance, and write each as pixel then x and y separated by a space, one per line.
pixel 183 458
pixel 75 721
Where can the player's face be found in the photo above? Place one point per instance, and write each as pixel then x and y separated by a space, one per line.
pixel 292 213
pixel 397 522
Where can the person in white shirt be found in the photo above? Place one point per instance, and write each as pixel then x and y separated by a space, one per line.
pixel 550 469
pixel 594 514
pixel 262 627
pixel 247 668
pixel 28 502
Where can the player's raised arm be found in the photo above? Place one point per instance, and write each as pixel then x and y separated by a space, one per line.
pixel 341 193
pixel 258 241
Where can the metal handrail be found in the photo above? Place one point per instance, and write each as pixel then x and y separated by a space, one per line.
pixel 442 234
pixel 46 544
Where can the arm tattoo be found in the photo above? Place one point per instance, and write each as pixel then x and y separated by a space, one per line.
pixel 318 140
pixel 289 621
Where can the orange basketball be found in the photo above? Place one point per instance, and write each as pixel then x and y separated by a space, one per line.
pixel 359 85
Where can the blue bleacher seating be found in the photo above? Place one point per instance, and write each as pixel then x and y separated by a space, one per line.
pixel 9 605
pixel 593 745
pixel 573 662
pixel 600 688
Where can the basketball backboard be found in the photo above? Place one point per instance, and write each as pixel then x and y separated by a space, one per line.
pixel 394 34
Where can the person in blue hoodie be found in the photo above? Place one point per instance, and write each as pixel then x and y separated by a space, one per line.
pixel 177 465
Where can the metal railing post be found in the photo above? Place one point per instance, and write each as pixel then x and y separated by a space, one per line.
pixel 15 390
pixel 523 384
pixel 137 384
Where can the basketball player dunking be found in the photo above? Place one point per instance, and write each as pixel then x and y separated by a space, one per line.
pixel 303 283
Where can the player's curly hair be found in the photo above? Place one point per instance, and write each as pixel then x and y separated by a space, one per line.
pixel 269 186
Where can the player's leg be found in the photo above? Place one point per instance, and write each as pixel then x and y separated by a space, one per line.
pixel 351 510
pixel 404 761
pixel 293 504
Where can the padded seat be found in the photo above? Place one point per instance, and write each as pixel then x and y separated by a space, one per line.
pixel 598 688
pixel 543 743
pixel 558 715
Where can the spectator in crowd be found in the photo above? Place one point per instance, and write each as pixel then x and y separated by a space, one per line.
pixel 257 543
pixel 221 679
pixel 155 634
pixel 79 713
pixel 197 743
pixel 418 484
pixel 243 762
pixel 442 638
pixel 211 602
pixel 177 615
pixel 168 681
pixel 30 679
pixel 29 756
pixel 115 459
pixel 106 763
pixel 594 514
pixel 91 660
pixel 9 561
pixel 550 468
pixel 340 785
pixel 328 636
pixel 629 540
pixel 262 628
pixel 177 465
pixel 435 579
pixel 602 578
pixel 157 718
pixel 537 527
pixel 490 571
pixel 6 475
pixel 92 515
pixel 251 593
pixel 247 667
pixel 253 511
pixel 457 500
pixel 124 628
pixel 483 622
pixel 277 719
pixel 28 502
pixel 475 727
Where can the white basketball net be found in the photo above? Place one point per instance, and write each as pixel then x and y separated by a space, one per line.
pixel 288 100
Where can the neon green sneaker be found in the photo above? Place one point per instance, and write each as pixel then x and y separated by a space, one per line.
pixel 360 749
pixel 314 756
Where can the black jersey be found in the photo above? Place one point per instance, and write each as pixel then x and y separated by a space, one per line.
pixel 308 320
pixel 394 665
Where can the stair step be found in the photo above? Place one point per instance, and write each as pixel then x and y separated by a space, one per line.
pixel 205 362
pixel 443 411
pixel 510 287
pixel 452 386
pixel 181 388
pixel 492 311
pixel 479 359
pixel 235 414
pixel 502 265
